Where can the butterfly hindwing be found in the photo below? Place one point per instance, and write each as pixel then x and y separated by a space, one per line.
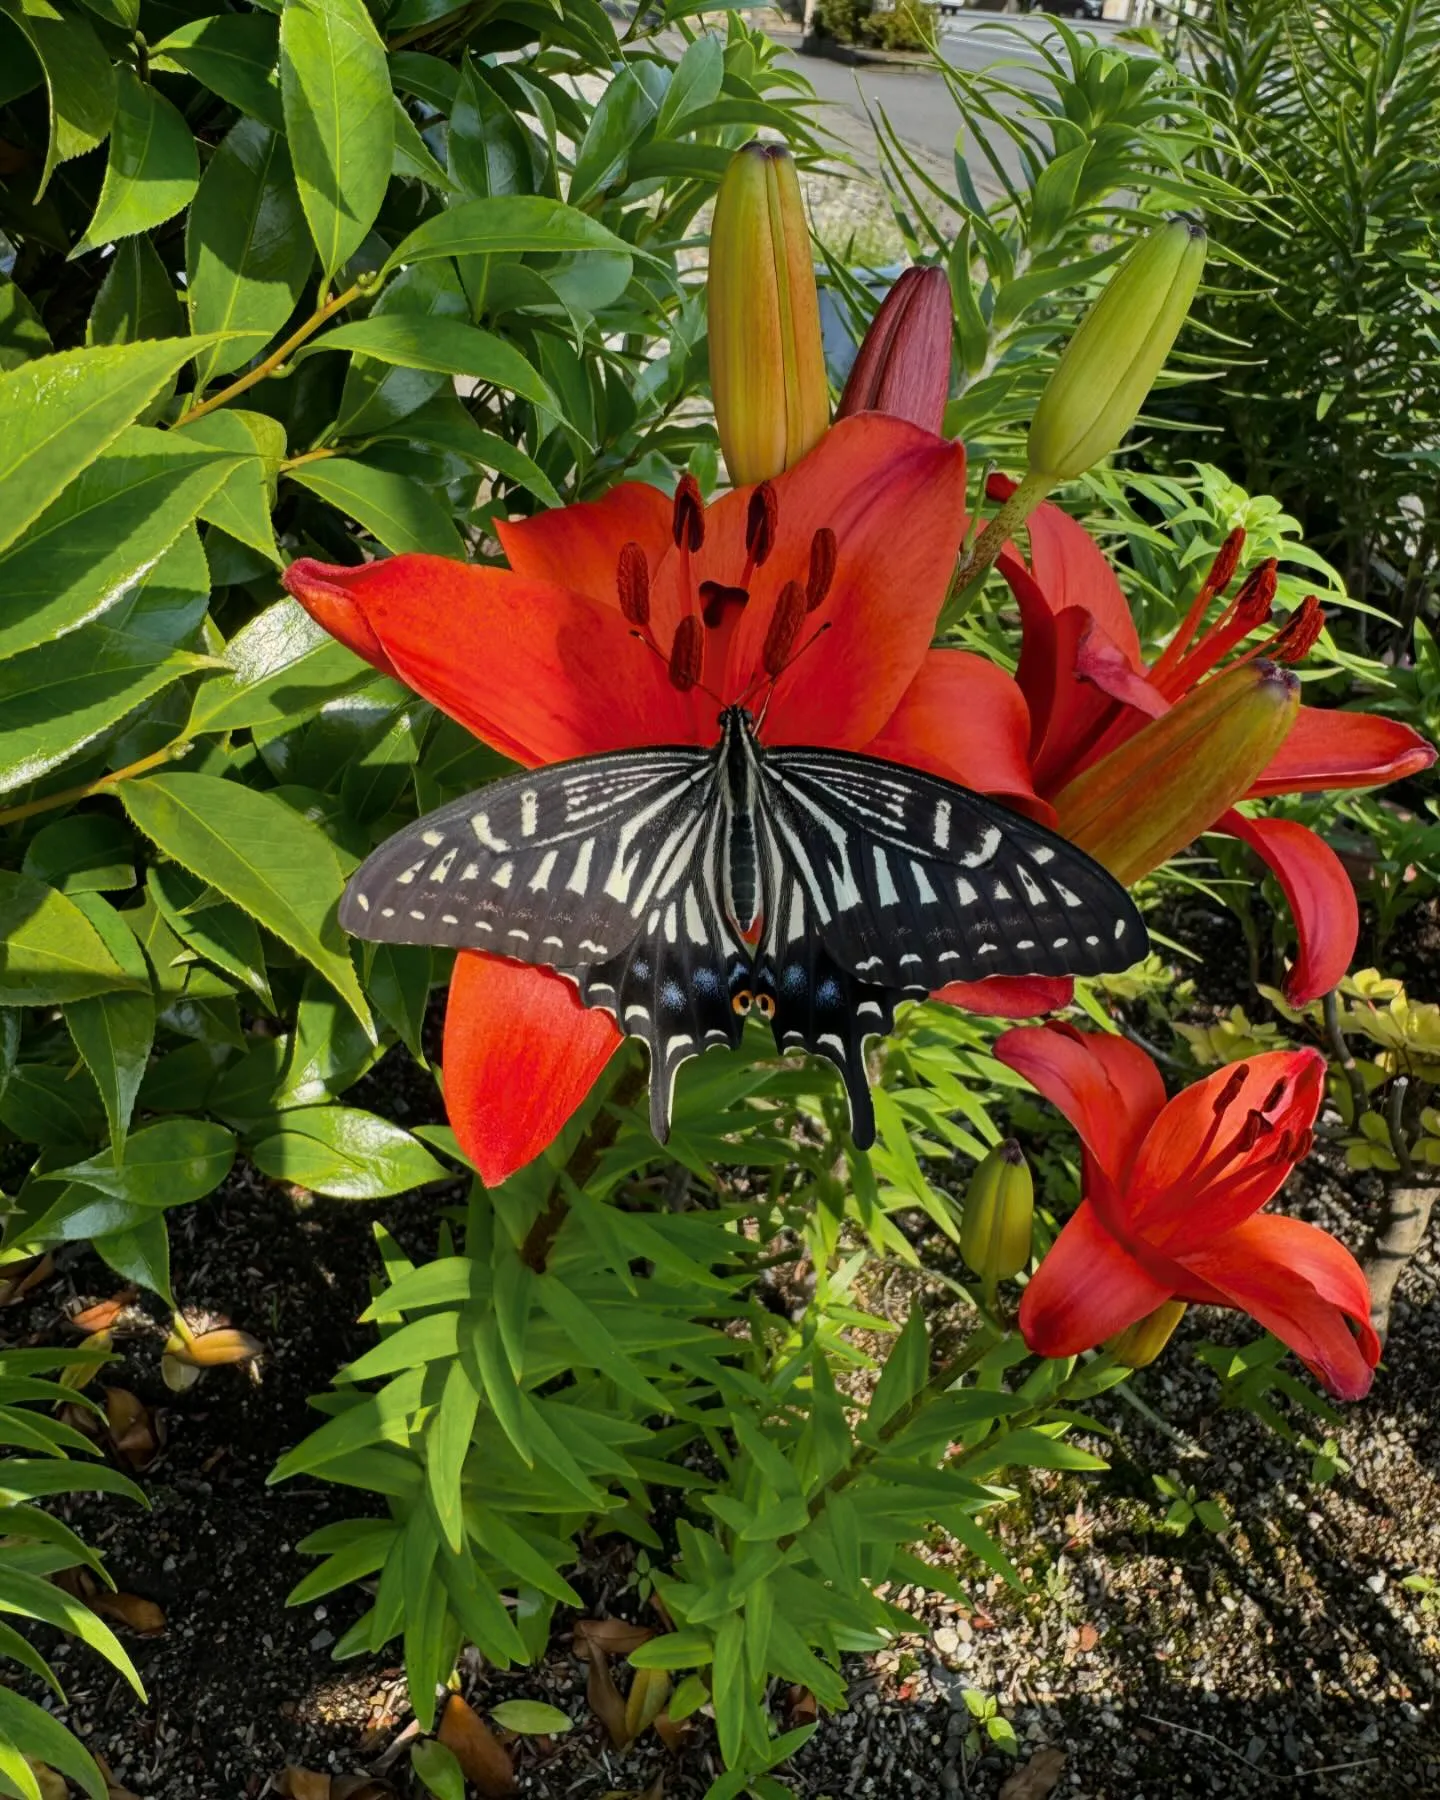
pixel 555 866
pixel 913 882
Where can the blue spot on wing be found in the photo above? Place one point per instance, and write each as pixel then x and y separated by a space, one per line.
pixel 672 996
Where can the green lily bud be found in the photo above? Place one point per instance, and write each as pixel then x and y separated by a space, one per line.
pixel 767 365
pixel 999 1208
pixel 1108 368
pixel 1175 777
pixel 1139 1344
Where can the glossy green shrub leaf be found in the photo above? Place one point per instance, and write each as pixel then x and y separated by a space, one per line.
pixel 153 169
pixel 168 1164
pixel 79 79
pixel 285 665
pixel 50 953
pixel 346 1153
pixel 234 55
pixel 335 87
pixel 137 298
pixel 115 1032
pixel 242 505
pixel 511 225
pixel 623 112
pixel 141 1254
pixel 400 513
pixel 448 346
pixel 258 852
pixel 247 252
pixel 86 853
pixel 695 84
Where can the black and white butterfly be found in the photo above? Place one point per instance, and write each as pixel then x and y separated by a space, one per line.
pixel 680 888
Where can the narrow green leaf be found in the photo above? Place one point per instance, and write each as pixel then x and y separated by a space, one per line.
pixel 29 1726
pixel 37 1599
pixel 392 508
pixel 259 853
pixel 247 252
pixel 62 411
pixel 488 146
pixel 621 114
pixel 50 953
pixel 154 168
pixel 79 80
pixel 106 531
pixel 695 83
pixel 447 1444
pixel 448 346
pixel 531 1718
pixel 339 117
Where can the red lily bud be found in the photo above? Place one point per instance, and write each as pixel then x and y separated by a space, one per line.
pixel 762 521
pixel 904 363
pixel 688 523
pixel 686 653
pixel 632 580
pixel 823 551
pixel 1179 773
pixel 785 624
pixel 1138 1345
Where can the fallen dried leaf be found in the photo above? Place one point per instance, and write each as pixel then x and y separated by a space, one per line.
pixel 21 1277
pixel 484 1759
pixel 1086 1638
pixel 1037 1778
pixel 177 1375
pixel 604 1698
pixel 616 1637
pixel 132 1429
pixel 360 1787
pixel 113 1789
pixel 51 1785
pixel 648 1693
pixel 803 1709
pixel 104 1313
pixel 674 1737
pixel 212 1348
pixel 303 1784
pixel 142 1616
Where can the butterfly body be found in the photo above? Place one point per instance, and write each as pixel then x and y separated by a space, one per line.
pixel 682 887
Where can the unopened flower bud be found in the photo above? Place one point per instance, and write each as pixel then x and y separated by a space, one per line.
pixel 767 365
pixel 1139 1344
pixel 903 367
pixel 1179 773
pixel 1100 383
pixel 999 1209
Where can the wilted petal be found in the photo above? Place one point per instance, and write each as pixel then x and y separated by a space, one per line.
pixel 1322 901
pixel 521 1053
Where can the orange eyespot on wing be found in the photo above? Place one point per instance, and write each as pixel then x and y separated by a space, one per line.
pixel 743 1000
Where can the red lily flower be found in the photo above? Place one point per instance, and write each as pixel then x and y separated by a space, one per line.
pixel 598 636
pixel 1090 693
pixel 1173 1191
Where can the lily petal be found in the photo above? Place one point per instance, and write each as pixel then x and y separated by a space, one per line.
pixel 1327 748
pixel 323 590
pixel 1086 1289
pixel 521 1053
pixel 1070 570
pixel 1107 1087
pixel 965 720
pixel 540 672
pixel 1009 996
pixel 1322 901
pixel 578 546
pixel 1303 1285
pixel 1191 1181
pixel 894 496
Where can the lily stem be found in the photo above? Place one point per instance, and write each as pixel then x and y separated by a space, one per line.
pixel 584 1159
pixel 68 796
pixel 252 377
pixel 1345 1056
pixel 991 541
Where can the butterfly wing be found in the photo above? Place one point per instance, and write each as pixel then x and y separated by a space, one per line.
pixel 556 866
pixel 913 882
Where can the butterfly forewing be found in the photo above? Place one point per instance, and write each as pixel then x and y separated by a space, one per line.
pixel 912 882
pixel 556 866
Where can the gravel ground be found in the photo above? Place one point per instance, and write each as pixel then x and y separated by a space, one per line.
pixel 1282 1658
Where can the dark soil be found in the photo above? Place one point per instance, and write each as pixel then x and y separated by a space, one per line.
pixel 1282 1658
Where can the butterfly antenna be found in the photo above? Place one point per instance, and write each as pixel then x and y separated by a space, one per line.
pixel 773 678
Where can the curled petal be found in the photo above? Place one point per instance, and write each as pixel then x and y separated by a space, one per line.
pixel 1327 748
pixel 578 546
pixel 1086 1289
pixel 1304 1286
pixel 965 720
pixel 1107 1087
pixel 521 1053
pixel 1206 1164
pixel 323 589
pixel 895 497
pixel 1069 570
pixel 1009 996
pixel 1322 901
